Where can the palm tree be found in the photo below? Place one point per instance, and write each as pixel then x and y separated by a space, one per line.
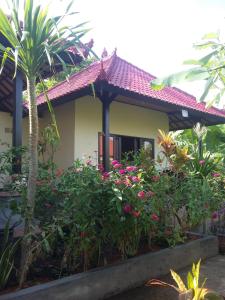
pixel 36 40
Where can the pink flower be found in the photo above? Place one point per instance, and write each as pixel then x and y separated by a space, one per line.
pixel 117 166
pixel 122 171
pixel 127 208
pixel 100 167
pixel 89 162
pixel 135 179
pixel 155 178
pixel 131 168
pixel 118 182
pixel 216 175
pixel 214 215
pixel 114 162
pixel 105 175
pixel 141 194
pixel 127 183
pixel 154 217
pixel 201 162
pixel 150 194
pixel 136 214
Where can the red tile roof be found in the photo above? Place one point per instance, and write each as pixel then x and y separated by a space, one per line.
pixel 122 74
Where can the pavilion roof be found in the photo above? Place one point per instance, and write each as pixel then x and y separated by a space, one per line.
pixel 126 77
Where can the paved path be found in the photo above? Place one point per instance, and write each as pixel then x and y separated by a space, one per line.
pixel 213 269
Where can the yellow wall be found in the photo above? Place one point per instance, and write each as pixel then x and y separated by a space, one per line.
pixel 5 128
pixel 6 124
pixel 25 131
pixel 80 121
pixel 125 119
pixel 65 114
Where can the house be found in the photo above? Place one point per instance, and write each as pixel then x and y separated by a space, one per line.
pixel 108 109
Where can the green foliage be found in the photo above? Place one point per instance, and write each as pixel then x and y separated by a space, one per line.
pixel 87 216
pixel 210 67
pixel 213 141
pixel 174 237
pixel 87 205
pixel 6 158
pixel 49 83
pixel 7 252
pixel 205 166
pixel 47 147
pixel 38 45
pixel 42 39
pixel 175 155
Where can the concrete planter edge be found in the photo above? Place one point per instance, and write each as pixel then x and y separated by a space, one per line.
pixel 101 283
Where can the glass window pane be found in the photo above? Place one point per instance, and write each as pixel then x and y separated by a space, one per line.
pixel 100 147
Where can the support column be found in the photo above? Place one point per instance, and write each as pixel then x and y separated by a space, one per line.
pixel 17 120
pixel 106 133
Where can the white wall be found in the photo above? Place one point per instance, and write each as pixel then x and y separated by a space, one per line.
pixel 125 119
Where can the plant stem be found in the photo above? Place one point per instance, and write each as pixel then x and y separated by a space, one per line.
pixel 31 187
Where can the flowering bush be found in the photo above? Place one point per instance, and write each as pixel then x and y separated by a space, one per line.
pixel 87 216
pixel 100 213
pixel 135 207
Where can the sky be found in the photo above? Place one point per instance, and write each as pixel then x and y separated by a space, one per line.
pixel 156 35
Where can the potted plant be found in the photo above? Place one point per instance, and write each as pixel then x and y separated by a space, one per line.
pixel 193 290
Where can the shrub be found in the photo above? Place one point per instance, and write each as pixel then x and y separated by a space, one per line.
pixel 87 217
pixel 7 252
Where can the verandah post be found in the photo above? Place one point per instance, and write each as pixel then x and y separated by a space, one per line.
pixel 106 99
pixel 106 132
pixel 17 120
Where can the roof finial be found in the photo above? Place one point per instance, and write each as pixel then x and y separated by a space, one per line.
pixel 104 53
pixel 102 73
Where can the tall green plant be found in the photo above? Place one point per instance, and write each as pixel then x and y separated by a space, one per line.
pixel 36 39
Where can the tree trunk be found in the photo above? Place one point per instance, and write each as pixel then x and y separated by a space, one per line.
pixel 26 254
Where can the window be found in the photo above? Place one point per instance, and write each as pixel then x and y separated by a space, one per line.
pixel 119 145
pixel 112 152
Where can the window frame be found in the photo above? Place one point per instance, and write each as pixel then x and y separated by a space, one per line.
pixel 117 146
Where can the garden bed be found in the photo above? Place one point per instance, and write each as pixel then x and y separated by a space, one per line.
pixel 104 282
pixel 86 219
